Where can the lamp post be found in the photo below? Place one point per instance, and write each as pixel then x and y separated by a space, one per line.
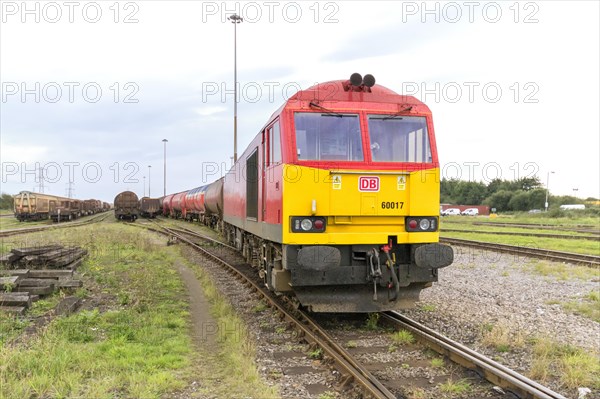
pixel 235 20
pixel 149 166
pixel 165 168
pixel 144 186
pixel 547 189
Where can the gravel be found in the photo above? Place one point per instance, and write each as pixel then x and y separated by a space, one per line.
pixel 482 289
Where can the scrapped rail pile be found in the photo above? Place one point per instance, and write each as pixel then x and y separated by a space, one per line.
pixel 27 274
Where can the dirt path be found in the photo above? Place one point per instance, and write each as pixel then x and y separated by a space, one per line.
pixel 204 326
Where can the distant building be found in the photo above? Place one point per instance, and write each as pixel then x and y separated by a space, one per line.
pixel 573 206
pixel 483 209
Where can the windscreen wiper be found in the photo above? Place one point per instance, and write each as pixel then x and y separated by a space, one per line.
pixel 397 115
pixel 327 111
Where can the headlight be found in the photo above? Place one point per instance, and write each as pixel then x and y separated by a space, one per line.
pixel 421 224
pixel 306 224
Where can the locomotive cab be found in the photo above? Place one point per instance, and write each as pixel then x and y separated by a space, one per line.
pixel 337 199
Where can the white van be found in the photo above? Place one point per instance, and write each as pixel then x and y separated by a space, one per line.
pixel 470 212
pixel 450 211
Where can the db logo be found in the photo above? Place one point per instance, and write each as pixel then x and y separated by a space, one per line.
pixel 368 183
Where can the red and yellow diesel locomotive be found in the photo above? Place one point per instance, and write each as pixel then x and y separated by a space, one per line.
pixel 336 200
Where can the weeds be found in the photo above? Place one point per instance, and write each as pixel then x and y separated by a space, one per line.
pixel 403 337
pixel 574 367
pixel 502 337
pixel 116 348
pixel 372 321
pixel 316 353
pixel 455 387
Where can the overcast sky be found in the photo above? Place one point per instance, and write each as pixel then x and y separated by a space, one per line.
pixel 90 89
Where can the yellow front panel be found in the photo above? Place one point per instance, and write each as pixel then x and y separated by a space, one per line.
pixel 355 216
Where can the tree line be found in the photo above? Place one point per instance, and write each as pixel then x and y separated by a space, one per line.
pixel 505 195
pixel 6 201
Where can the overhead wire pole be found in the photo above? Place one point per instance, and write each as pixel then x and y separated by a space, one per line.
pixel 547 189
pixel 165 168
pixel 235 19
pixel 149 166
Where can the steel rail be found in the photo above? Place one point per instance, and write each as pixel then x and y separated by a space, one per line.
pixel 309 329
pixel 492 371
pixel 507 233
pixel 26 230
pixel 587 260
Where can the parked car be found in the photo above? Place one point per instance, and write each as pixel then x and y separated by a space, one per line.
pixel 450 211
pixel 535 211
pixel 470 212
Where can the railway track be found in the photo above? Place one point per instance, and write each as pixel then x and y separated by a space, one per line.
pixel 509 380
pixel 557 256
pixel 495 373
pixel 26 230
pixel 542 235
pixel 302 322
pixel 589 229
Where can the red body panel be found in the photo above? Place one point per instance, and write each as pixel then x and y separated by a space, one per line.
pixel 178 205
pixel 213 198
pixel 167 204
pixel 194 201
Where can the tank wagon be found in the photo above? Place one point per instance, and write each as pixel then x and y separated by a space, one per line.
pixel 149 207
pixel 166 205
pixel 336 199
pixel 127 206
pixel 36 206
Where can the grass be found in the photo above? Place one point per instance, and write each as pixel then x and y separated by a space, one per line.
pixel 229 369
pixel 589 306
pixel 403 337
pixel 138 349
pixel 327 395
pixel 571 220
pixel 560 271
pixel 7 223
pixel 316 353
pixel 556 244
pixel 437 363
pixel 452 387
pixel 428 307
pixel 482 229
pixel 573 367
pixel 10 327
pixel 502 337
pixel 137 342
pixel 372 321
pixel 260 307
